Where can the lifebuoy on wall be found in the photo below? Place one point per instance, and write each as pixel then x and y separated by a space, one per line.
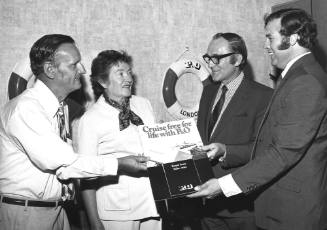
pixel 176 70
pixel 19 78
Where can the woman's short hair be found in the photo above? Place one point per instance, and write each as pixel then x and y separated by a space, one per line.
pixel 101 66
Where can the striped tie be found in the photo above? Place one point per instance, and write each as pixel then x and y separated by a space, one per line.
pixel 217 110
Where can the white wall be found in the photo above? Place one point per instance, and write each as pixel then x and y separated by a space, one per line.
pixel 154 32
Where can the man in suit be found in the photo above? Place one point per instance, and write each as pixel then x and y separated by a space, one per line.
pixel 234 127
pixel 289 161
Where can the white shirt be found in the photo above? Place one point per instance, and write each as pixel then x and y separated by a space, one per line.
pixel 31 151
pixel 227 183
pixel 288 66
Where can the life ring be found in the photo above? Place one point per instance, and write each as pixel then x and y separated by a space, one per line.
pixel 176 70
pixel 19 78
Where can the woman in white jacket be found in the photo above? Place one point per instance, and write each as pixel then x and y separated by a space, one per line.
pixel 110 127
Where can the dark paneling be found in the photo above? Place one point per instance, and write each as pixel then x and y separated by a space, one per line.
pixel 302 4
pixel 319 9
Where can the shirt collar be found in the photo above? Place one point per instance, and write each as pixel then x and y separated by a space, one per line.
pixel 46 98
pixel 235 82
pixel 288 66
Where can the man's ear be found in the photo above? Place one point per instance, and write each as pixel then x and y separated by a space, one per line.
pixel 238 59
pixel 49 70
pixel 293 39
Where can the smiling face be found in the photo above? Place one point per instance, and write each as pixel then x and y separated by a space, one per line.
pixel 68 67
pixel 119 83
pixel 224 71
pixel 277 46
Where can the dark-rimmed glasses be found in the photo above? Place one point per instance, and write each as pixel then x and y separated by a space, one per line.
pixel 215 58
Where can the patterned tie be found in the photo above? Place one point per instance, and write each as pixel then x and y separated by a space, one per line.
pixel 217 110
pixel 67 191
pixel 62 122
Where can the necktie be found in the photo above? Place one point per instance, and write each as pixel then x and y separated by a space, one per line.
pixel 62 122
pixel 217 110
pixel 67 190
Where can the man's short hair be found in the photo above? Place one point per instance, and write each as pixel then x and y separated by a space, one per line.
pixel 296 21
pixel 236 45
pixel 44 49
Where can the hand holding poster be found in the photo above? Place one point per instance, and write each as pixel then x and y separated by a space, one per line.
pixel 182 165
pixel 170 141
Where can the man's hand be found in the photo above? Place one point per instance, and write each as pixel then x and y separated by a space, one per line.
pixel 215 150
pixel 132 164
pixel 208 190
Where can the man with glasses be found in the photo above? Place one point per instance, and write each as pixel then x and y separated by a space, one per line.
pixel 229 115
pixel 288 162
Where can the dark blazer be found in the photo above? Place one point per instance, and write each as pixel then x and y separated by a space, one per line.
pixel 237 129
pixel 290 156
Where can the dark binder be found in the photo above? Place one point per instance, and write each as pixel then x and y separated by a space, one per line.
pixel 177 179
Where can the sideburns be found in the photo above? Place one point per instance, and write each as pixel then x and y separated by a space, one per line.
pixel 285 44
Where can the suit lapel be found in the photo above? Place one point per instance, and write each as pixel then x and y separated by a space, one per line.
pixel 264 119
pixel 237 101
pixel 279 86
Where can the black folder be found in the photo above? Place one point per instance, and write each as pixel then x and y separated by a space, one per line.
pixel 177 179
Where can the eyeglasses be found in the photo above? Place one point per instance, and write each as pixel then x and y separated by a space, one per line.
pixel 215 58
